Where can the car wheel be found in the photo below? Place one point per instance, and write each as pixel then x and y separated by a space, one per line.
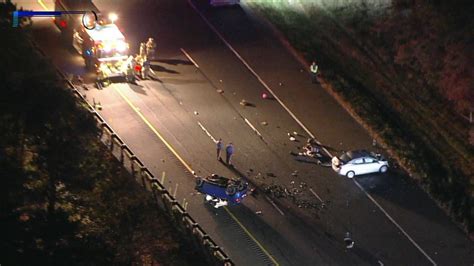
pixel 383 169
pixel 231 190
pixel 241 186
pixel 350 174
pixel 199 182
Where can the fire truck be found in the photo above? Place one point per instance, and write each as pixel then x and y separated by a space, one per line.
pixel 96 38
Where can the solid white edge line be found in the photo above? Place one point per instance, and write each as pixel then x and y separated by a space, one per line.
pixel 394 222
pixel 300 123
pixel 189 57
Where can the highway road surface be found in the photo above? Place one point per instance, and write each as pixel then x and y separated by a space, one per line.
pixel 209 60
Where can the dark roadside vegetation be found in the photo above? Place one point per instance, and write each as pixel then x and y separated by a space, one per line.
pixel 404 67
pixel 65 200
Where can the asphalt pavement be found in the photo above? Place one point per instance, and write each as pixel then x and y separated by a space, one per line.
pixel 394 223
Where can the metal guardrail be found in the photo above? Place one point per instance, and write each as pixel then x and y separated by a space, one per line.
pixel 186 225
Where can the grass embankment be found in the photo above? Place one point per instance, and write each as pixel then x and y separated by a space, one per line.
pixel 401 100
pixel 65 200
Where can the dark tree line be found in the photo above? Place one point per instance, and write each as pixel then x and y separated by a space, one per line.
pixel 436 39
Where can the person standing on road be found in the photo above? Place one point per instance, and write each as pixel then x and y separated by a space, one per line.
pixel 229 151
pixel 150 49
pixel 219 147
pixel 314 72
pixel 142 50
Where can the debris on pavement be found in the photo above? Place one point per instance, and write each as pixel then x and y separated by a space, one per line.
pixel 263 123
pixel 220 91
pixel 244 102
pixel 196 112
pixel 258 212
pixel 293 194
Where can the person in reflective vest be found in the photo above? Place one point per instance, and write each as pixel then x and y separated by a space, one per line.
pixel 150 49
pixel 142 53
pixel 314 72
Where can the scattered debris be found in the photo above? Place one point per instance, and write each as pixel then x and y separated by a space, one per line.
pixel 220 80
pixel 258 212
pixel 263 123
pixel 196 113
pixel 278 191
pixel 292 139
pixel 220 91
pixel 295 133
pixel 280 83
pixel 271 175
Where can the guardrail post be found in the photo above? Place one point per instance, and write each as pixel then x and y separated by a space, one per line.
pixel 122 148
pixel 101 125
pixel 112 138
pixel 142 175
pixel 132 164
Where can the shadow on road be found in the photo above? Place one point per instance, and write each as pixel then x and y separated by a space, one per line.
pixel 174 62
pixel 163 69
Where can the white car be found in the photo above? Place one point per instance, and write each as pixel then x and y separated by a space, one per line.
pixel 359 162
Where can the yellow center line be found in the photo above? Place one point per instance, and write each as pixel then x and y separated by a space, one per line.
pixel 134 108
pixel 43 5
pixel 251 236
